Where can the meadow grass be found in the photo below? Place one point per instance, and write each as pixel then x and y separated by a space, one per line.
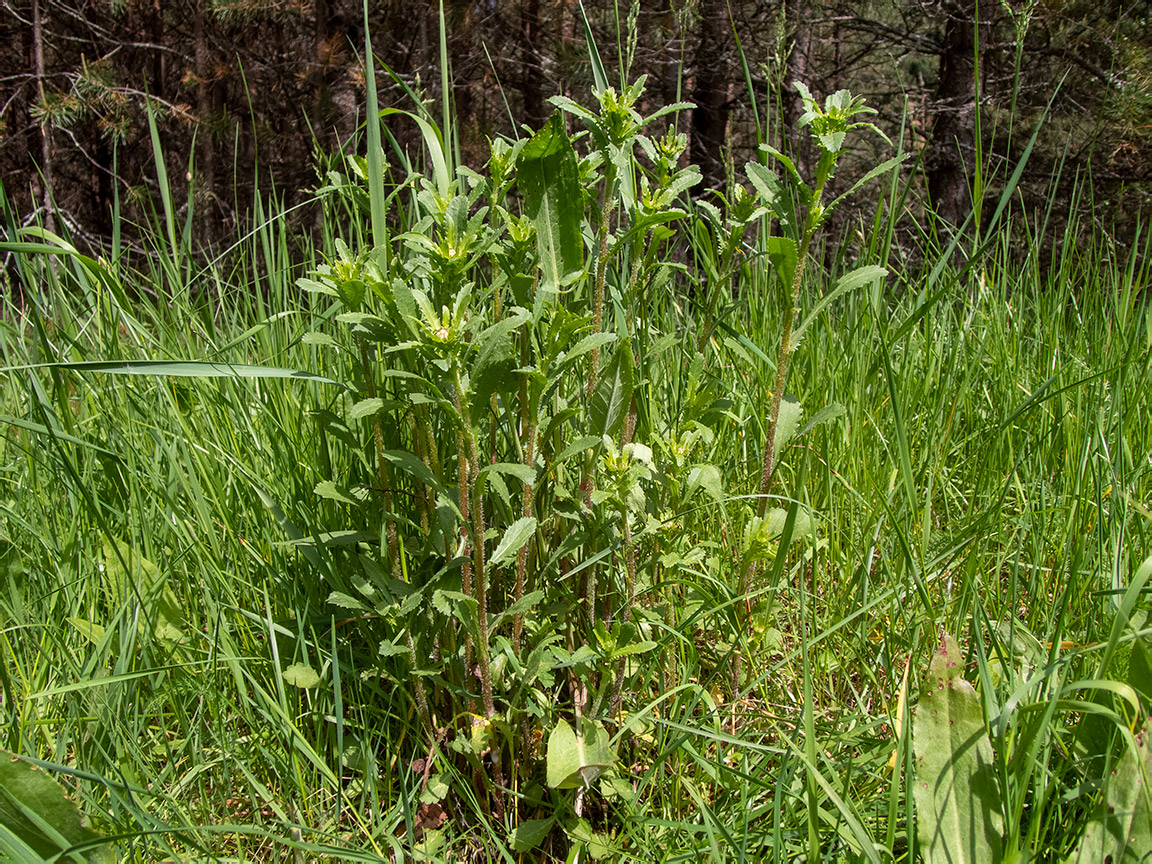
pixel 988 475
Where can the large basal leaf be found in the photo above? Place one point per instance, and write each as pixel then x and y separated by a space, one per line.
pixel 34 807
pixel 549 178
pixel 143 579
pixel 1121 828
pixel 577 760
pixel 613 394
pixel 958 813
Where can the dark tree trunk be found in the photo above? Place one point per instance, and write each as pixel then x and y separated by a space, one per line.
pixel 953 143
pixel 45 125
pixel 798 20
pixel 207 180
pixel 710 94
pixel 530 67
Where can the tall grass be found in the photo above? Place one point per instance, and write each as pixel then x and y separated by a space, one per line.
pixel 162 602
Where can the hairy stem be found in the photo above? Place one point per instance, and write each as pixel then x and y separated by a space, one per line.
pixel 384 474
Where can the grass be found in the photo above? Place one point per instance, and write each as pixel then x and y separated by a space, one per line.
pixel 988 476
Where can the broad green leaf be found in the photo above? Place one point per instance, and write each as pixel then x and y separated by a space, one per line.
pixel 365 408
pixel 301 675
pixel 1121 828
pixel 92 632
pixel 409 464
pixel 518 533
pixel 958 813
pixel 518 608
pixel 829 412
pixel 495 359
pixel 580 445
pixel 549 178
pixel 857 278
pixel 595 340
pixel 145 581
pixel 782 254
pixel 328 489
pixel 613 394
pixel 518 470
pixel 773 193
pixel 788 422
pixel 35 808
pixel 706 477
pixel 633 648
pixel 346 601
pixel 530 833
pixel 455 604
pixel 577 760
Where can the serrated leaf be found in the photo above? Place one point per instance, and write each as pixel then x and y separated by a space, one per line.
pixel 782 253
pixel 594 340
pixel 1121 828
pixel 882 168
pixel 456 604
pixel 521 606
pixel 392 648
pixel 580 445
pixel 787 423
pixel 346 601
pixel 317 339
pixel 35 808
pixel 829 412
pixel 613 395
pixel 519 470
pixel 409 464
pixel 773 193
pixel 548 175
pixel 492 369
pixel 517 534
pixel 365 408
pixel 328 489
pixel 958 813
pixel 633 648
pixel 857 278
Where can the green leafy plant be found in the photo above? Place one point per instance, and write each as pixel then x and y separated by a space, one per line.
pixel 800 212
pixel 958 809
pixel 39 821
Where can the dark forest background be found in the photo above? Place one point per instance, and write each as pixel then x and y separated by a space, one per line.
pixel 260 93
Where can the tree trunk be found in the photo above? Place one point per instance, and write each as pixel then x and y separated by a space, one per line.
pixel 530 67
pixel 207 184
pixel 953 143
pixel 45 124
pixel 798 21
pixel 710 94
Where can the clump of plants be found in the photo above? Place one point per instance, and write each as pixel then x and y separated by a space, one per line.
pixel 527 509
